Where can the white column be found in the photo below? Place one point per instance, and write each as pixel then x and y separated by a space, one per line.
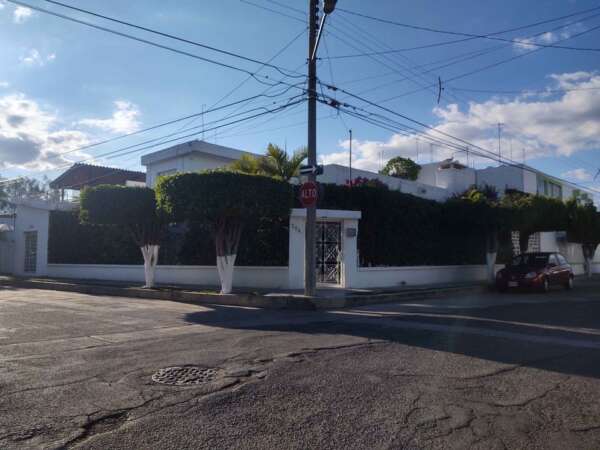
pixel 296 252
pixel 349 253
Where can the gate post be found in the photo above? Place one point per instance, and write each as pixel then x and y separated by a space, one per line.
pixel 296 249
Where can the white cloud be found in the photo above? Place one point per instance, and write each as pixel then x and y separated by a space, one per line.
pixel 544 126
pixel 526 44
pixel 21 14
pixel 123 120
pixel 35 58
pixel 4 84
pixel 31 138
pixel 578 174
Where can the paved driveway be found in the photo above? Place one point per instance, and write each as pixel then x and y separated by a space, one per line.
pixel 487 371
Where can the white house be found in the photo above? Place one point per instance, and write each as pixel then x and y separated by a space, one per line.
pixel 188 157
pixel 456 178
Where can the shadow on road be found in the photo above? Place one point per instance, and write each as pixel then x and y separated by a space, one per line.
pixel 561 337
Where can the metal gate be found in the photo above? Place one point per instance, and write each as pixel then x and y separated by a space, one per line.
pixel 30 262
pixel 329 249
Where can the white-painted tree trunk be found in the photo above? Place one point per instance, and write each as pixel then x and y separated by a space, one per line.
pixel 225 265
pixel 588 266
pixel 490 258
pixel 150 254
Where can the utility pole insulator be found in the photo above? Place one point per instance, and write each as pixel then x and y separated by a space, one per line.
pixel 329 6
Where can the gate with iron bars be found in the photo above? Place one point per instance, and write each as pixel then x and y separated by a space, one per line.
pixel 329 252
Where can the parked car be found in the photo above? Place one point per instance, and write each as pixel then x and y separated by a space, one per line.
pixel 538 271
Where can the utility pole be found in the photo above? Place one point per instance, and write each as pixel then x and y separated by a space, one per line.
pixel 350 131
pixel 430 152
pixel 417 149
pixel 314 35
pixel 500 125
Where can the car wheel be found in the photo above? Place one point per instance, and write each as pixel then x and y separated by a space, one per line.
pixel 545 285
pixel 502 288
pixel 569 284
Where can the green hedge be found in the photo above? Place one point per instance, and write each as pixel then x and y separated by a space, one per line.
pixel 71 242
pixel 399 229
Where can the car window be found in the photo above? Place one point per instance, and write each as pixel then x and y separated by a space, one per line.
pixel 552 260
pixel 561 260
pixel 530 260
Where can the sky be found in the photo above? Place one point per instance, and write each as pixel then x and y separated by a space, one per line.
pixel 64 86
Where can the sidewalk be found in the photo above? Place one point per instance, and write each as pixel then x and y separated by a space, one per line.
pixel 330 298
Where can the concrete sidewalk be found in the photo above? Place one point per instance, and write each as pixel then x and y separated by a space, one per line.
pixel 329 298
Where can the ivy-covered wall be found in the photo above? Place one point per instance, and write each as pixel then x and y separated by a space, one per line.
pixel 399 229
pixel 71 242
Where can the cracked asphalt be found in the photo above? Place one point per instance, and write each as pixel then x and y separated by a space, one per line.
pixel 479 371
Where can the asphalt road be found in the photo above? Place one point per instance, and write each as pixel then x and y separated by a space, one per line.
pixel 482 372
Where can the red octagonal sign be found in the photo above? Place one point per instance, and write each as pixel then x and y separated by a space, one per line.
pixel 308 194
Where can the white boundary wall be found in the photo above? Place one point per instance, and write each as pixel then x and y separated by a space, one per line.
pixel 379 277
pixel 258 277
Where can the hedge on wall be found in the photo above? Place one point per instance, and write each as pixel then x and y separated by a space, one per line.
pixel 399 229
pixel 71 242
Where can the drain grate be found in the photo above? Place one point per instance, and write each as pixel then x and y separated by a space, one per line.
pixel 185 376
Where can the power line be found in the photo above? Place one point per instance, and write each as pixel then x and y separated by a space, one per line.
pixel 464 57
pixel 489 66
pixel 167 35
pixel 470 35
pixel 243 82
pixel 163 124
pixel 289 16
pixel 117 153
pixel 526 91
pixel 486 153
pixel 151 43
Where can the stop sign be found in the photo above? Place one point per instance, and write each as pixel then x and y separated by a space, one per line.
pixel 308 194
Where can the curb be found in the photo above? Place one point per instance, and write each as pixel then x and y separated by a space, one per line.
pixel 276 302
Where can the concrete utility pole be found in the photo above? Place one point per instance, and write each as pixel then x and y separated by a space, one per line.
pixel 311 212
pixel 314 36
pixel 500 125
pixel 350 161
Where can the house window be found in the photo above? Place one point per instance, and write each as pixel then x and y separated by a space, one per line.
pixel 548 188
pixel 30 262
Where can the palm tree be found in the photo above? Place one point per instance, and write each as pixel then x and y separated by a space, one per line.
pixel 276 163
pixel 279 164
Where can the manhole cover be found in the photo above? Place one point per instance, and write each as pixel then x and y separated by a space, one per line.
pixel 186 375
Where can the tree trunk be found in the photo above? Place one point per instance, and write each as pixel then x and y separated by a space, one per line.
pixel 524 241
pixel 227 239
pixel 490 256
pixel 588 251
pixel 150 254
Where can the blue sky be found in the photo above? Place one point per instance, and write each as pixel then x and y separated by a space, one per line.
pixel 64 85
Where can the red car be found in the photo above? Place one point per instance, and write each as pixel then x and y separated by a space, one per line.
pixel 538 271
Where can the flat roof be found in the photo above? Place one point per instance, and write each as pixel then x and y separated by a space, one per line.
pixel 196 146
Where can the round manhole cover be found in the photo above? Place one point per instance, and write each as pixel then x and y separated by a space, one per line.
pixel 186 375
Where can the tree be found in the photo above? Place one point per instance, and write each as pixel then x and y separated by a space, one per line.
pixel 402 168
pixel 229 202
pixel 131 207
pixel 531 214
pixel 478 210
pixel 23 188
pixel 584 228
pixel 275 163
